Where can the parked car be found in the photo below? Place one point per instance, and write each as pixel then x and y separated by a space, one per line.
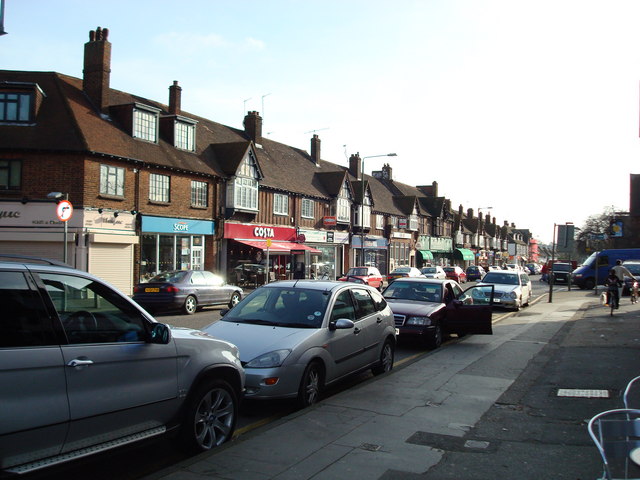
pixel 634 267
pixel 401 272
pixel 433 272
pixel 296 337
pixel 561 272
pixel 427 309
pixel 512 288
pixel 188 290
pixel 534 268
pixel 84 369
pixel 475 272
pixel 456 273
pixel 366 275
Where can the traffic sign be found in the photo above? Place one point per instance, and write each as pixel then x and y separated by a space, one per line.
pixel 64 210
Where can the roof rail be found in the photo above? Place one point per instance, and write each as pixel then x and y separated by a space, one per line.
pixel 31 259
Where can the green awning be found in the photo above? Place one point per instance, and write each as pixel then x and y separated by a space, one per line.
pixel 464 254
pixel 426 254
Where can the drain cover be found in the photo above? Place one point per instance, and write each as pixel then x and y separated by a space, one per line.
pixel 583 393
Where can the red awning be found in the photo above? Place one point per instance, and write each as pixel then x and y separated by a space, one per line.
pixel 278 247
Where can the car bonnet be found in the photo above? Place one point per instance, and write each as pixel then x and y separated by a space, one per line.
pixel 253 340
pixel 411 307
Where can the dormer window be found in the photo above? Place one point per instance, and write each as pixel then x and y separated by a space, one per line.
pixel 16 107
pixel 343 204
pixel 243 191
pixel 365 210
pixel 185 136
pixel 413 220
pixel 145 123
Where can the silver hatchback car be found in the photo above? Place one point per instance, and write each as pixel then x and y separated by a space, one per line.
pixel 295 337
pixel 84 369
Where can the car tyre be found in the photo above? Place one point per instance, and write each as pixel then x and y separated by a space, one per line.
pixel 235 299
pixel 210 417
pixel 589 283
pixel 310 385
pixel 385 363
pixel 434 340
pixel 190 305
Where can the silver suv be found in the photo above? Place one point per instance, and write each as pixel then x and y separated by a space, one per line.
pixel 84 369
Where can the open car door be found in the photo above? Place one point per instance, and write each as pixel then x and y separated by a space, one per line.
pixel 470 312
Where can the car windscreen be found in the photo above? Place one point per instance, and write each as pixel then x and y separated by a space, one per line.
pixel 429 270
pixel 402 270
pixel 500 278
pixel 169 277
pixel 426 292
pixel 281 307
pixel 633 268
pixel 358 272
pixel 561 267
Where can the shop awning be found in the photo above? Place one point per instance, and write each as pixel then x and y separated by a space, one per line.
pixel 464 253
pixel 426 254
pixel 278 247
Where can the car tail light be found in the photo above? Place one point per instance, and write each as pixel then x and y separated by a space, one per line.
pixel 137 289
pixel 172 289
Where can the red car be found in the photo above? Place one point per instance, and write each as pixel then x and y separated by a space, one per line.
pixel 367 275
pixel 456 273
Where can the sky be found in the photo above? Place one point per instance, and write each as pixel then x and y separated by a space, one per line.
pixel 528 107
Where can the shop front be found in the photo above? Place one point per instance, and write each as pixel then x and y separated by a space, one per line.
pixel 169 243
pixel 376 252
pixel 441 248
pixel 331 244
pixel 256 254
pixel 400 252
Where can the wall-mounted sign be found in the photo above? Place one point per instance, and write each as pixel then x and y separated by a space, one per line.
pixel 329 221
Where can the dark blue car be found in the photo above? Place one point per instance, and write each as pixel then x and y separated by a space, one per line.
pixel 474 273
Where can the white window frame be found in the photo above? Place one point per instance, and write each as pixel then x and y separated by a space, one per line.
pixel 380 222
pixel 111 180
pixel 307 208
pixel 243 190
pixel 145 124
pixel 280 204
pixel 199 194
pixel 159 188
pixel 185 136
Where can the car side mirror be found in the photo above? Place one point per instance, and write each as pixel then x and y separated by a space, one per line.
pixel 341 324
pixel 160 334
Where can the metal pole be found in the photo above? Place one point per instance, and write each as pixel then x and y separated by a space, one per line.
pixel 553 255
pixel 362 217
pixel 64 250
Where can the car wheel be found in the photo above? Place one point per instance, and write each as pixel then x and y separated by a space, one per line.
pixel 235 299
pixel 190 305
pixel 516 308
pixel 385 363
pixel 434 340
pixel 210 417
pixel 310 385
pixel 589 283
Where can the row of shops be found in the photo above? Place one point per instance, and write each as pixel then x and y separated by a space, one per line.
pixel 103 243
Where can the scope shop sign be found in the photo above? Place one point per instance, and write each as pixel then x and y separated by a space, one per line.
pixel 177 225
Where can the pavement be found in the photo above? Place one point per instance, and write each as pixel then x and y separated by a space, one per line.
pixel 483 407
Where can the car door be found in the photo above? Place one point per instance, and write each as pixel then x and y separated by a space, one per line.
pixel 470 312
pixel 200 288
pixel 117 383
pixel 526 287
pixel 346 346
pixel 216 292
pixel 370 321
pixel 33 396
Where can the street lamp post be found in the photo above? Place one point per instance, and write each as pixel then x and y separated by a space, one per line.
pixel 362 202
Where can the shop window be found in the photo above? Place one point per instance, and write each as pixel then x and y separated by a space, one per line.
pixel 280 204
pixel 307 208
pixel 199 194
pixel 159 188
pixel 10 174
pixel 111 180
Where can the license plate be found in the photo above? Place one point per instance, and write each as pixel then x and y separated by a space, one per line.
pixel 151 290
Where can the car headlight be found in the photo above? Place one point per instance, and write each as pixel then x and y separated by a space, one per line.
pixel 513 295
pixel 419 321
pixel 577 275
pixel 269 360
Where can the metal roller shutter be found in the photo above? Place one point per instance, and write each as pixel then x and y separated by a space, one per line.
pixel 51 250
pixel 113 262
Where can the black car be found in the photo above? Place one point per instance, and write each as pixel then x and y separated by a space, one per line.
pixel 426 309
pixel 561 272
pixel 187 290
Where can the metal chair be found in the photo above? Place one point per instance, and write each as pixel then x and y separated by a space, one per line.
pixel 616 434
pixel 627 393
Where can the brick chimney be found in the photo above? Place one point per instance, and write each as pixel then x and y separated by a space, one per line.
pixel 253 126
pixel 387 172
pixel 355 164
pixel 175 98
pixel 429 190
pixel 315 149
pixel 97 68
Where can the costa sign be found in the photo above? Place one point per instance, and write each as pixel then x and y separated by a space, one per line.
pixel 263 232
